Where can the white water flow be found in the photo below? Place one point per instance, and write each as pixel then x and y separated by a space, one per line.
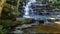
pixel 27 8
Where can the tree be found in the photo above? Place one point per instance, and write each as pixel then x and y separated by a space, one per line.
pixel 11 9
pixel 1 5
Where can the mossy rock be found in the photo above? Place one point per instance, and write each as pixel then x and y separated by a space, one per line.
pixel 26 21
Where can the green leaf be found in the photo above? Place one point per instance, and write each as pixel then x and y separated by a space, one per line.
pixel 1 27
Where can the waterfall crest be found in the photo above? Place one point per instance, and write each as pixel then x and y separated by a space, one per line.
pixel 26 15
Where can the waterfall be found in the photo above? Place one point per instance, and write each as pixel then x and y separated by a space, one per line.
pixel 27 8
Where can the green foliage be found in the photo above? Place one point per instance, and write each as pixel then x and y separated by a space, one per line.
pixel 1 27
pixel 23 0
pixel 15 13
pixel 12 2
pixel 55 1
pixel 10 11
pixel 2 31
pixel 9 6
pixel 6 22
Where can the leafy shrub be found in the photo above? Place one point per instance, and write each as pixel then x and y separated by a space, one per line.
pixel 6 22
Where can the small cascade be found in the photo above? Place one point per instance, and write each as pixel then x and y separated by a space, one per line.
pixel 27 8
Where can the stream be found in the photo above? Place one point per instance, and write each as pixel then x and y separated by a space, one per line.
pixel 29 12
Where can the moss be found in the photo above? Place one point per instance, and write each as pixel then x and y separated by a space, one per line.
pixel 26 21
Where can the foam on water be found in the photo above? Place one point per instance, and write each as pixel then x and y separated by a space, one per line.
pixel 27 8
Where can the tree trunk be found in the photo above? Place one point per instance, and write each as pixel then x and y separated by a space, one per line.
pixel 18 4
pixel 1 6
pixel 17 7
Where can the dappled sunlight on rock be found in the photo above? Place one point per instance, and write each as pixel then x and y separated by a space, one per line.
pixel 57 23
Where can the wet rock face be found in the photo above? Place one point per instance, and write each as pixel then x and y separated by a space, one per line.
pixel 41 21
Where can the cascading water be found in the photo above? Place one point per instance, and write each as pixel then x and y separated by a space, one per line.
pixel 26 15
